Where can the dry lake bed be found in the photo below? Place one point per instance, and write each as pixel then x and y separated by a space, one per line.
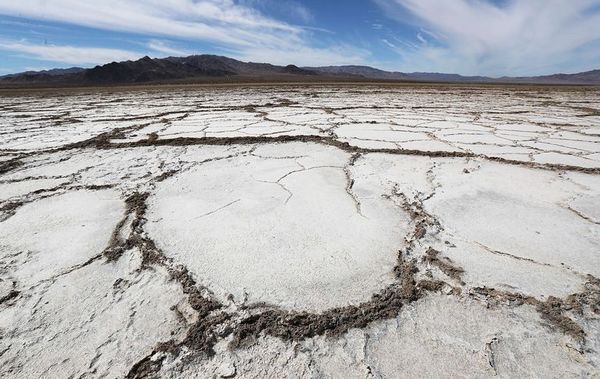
pixel 301 232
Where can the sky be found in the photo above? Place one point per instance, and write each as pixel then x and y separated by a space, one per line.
pixel 469 37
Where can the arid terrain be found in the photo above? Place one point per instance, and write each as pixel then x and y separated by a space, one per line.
pixel 308 231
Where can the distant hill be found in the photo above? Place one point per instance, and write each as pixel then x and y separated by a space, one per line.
pixel 219 68
pixel 359 71
pixel 588 77
pixel 147 70
pixel 41 75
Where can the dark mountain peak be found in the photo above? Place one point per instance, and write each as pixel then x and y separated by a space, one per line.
pixel 203 67
pixel 293 69
pixel 366 72
pixel 34 75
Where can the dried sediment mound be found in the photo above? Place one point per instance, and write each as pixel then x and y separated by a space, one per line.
pixel 300 232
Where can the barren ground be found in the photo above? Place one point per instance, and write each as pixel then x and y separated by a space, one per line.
pixel 300 231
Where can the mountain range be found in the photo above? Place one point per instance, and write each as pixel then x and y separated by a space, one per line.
pixel 212 68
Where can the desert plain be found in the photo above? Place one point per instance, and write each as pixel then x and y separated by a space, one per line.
pixel 300 231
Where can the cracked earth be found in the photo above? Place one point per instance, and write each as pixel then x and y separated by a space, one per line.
pixel 369 232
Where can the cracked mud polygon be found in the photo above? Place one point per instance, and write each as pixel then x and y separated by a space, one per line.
pixel 300 231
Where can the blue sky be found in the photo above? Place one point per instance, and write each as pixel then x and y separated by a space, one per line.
pixel 473 37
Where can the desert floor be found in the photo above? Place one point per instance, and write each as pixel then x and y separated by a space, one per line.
pixel 300 231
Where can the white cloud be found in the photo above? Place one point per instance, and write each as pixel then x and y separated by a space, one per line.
pixel 305 55
pixel 519 37
pixel 231 25
pixel 221 21
pixel 165 49
pixel 68 54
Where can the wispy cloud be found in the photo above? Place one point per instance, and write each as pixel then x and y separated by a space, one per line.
pixel 234 26
pixel 68 54
pixel 223 21
pixel 293 9
pixel 388 43
pixel 516 37
pixel 300 55
pixel 165 48
pixel 300 12
pixel 306 55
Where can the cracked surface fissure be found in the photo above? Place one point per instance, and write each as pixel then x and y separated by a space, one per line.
pixel 244 324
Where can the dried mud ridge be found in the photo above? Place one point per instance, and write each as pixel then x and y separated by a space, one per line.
pixel 554 310
pixel 9 296
pixel 9 165
pixel 104 142
pixel 444 264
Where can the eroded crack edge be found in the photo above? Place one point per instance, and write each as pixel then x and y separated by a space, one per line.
pixel 104 142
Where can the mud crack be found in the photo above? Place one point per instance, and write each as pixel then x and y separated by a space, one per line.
pixel 297 326
pixel 9 296
pixel 104 141
pixel 432 257
pixel 558 313
pixel 135 211
pixel 350 182
pixel 10 165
